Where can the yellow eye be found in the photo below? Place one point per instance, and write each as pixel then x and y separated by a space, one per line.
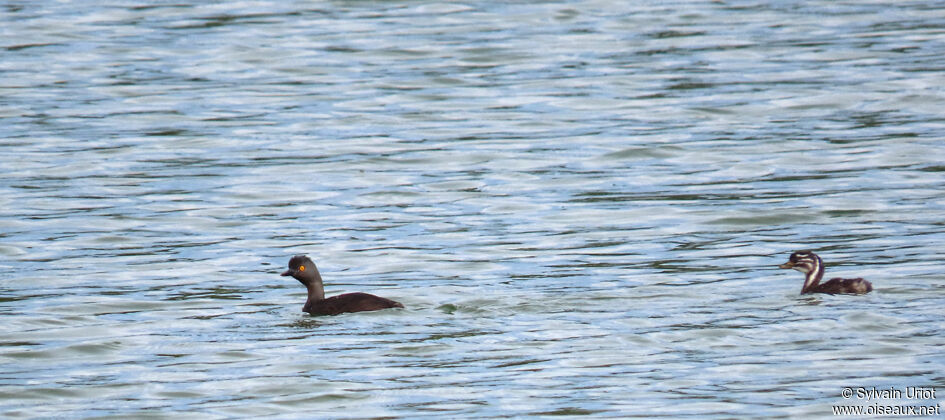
pixel 301 268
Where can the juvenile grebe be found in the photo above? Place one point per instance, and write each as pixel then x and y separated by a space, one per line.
pixel 303 269
pixel 813 267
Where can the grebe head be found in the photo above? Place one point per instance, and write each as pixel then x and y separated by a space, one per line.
pixel 803 261
pixel 808 263
pixel 302 269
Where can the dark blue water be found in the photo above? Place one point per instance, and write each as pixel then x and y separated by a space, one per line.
pixel 581 204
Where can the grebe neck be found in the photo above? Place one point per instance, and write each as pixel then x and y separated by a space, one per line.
pixel 813 276
pixel 316 290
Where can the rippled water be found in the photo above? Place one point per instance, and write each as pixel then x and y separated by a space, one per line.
pixel 582 205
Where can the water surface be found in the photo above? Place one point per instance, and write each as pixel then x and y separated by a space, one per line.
pixel 582 205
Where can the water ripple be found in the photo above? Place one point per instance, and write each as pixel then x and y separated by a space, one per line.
pixel 582 206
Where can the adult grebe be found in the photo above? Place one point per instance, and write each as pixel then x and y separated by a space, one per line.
pixel 813 267
pixel 303 269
